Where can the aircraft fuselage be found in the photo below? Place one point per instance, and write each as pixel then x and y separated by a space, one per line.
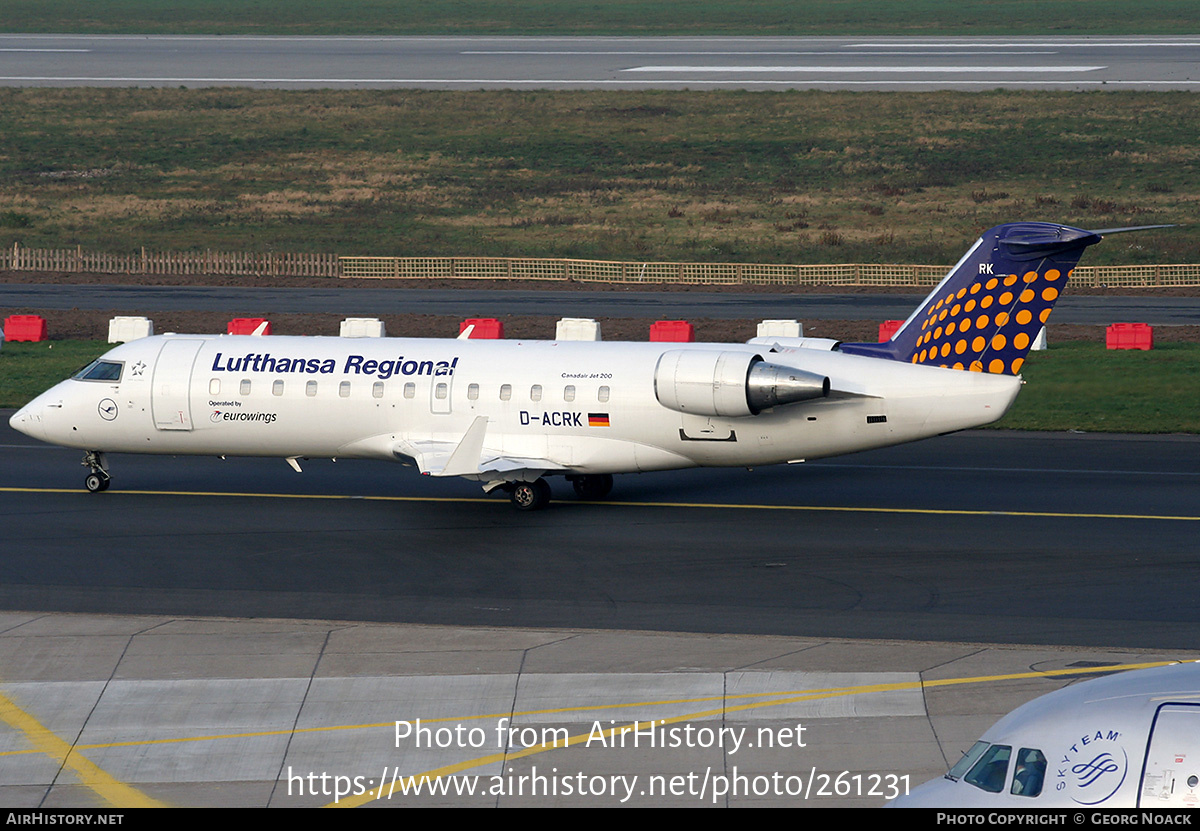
pixel 586 407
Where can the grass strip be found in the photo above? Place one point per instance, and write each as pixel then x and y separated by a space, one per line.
pixel 776 177
pixel 29 369
pixel 1083 386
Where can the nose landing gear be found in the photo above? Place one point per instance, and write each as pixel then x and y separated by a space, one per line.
pixel 98 479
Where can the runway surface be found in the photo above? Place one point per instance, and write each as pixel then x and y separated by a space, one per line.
pixel 1077 309
pixel 993 537
pixel 971 63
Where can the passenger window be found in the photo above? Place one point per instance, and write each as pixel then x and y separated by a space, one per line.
pixel 377 389
pixel 245 386
pixel 473 392
pixel 277 388
pixel 410 390
pixel 506 392
pixel 535 392
pixel 991 770
pixel 439 392
pixel 1030 772
pixel 569 392
pixel 310 389
pixel 214 386
pixel 602 395
pixel 344 389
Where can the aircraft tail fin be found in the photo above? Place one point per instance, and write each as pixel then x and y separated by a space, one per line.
pixel 986 313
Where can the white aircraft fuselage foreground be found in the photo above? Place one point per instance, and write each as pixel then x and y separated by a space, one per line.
pixel 1130 740
pixel 509 413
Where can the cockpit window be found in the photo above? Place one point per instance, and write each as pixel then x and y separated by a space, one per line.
pixel 967 761
pixel 991 770
pixel 100 370
pixel 1030 772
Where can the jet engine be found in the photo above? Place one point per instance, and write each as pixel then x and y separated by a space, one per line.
pixel 730 384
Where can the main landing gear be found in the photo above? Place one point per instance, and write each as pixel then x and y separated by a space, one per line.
pixel 530 496
pixel 98 479
pixel 592 486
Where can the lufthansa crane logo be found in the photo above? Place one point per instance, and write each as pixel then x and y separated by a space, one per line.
pixel 107 409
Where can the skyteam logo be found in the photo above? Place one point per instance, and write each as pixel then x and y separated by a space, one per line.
pixel 1093 768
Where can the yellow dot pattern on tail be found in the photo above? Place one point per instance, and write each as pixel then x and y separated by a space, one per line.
pixel 990 325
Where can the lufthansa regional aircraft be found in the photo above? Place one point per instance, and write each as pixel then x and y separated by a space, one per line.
pixel 510 413
pixel 1130 740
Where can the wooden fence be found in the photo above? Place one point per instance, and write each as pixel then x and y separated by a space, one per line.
pixel 76 260
pixel 79 261
pixel 845 274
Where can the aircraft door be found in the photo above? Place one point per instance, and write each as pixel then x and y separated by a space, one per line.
pixel 170 398
pixel 440 391
pixel 1171 777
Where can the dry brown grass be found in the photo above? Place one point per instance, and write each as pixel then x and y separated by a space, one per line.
pixel 791 177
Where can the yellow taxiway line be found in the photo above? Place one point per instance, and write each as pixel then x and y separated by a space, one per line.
pixel 121 795
pixel 856 509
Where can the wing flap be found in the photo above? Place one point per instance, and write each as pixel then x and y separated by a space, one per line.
pixel 470 459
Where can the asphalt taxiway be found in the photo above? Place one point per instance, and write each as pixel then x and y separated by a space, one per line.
pixel 982 536
pixel 230 633
pixel 147 711
pixel 1079 309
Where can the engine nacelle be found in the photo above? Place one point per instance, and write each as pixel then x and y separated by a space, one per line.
pixel 730 384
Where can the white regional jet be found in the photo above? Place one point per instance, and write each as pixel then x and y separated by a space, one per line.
pixel 1130 740
pixel 508 413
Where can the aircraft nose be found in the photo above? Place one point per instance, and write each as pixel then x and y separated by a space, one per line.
pixel 28 420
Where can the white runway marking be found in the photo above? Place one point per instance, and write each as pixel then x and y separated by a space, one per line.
pixel 739 53
pixel 1059 44
pixel 861 69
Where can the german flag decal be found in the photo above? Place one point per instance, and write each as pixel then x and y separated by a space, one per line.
pixel 598 419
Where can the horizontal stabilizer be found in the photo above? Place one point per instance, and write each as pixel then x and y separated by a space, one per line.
pixel 1104 231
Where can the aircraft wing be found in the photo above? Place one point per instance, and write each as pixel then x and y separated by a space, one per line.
pixel 468 458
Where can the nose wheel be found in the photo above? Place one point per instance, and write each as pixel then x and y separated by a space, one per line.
pixel 98 479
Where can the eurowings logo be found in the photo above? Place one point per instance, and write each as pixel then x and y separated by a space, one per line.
pixel 263 418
